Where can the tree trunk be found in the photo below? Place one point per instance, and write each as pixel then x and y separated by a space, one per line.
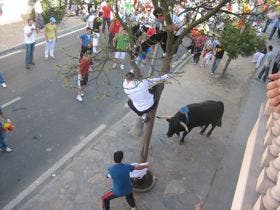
pixel 148 127
pixel 225 67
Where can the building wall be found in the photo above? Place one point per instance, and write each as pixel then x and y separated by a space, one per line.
pixel 13 10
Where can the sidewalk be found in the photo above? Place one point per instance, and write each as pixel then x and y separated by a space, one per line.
pixel 184 172
pixel 12 35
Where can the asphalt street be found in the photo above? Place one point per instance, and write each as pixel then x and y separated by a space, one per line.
pixel 48 119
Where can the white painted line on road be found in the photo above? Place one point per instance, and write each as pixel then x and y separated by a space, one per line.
pixel 63 35
pixel 9 54
pixel 10 102
pixel 23 195
pixel 40 43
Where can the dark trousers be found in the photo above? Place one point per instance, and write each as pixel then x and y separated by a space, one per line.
pixel 105 20
pixel 273 31
pixel 263 74
pixel 160 37
pixel 110 195
pixel 196 55
pixel 267 23
pixel 275 68
pixel 140 113
pixel 111 37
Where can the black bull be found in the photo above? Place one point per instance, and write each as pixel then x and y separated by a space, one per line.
pixel 199 115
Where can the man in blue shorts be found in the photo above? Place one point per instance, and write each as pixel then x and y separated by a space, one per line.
pixel 119 172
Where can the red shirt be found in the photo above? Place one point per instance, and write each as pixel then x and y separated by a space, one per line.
pixel 84 66
pixel 115 27
pixel 106 11
pixel 151 31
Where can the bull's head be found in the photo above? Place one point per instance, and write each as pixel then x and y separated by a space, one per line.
pixel 175 126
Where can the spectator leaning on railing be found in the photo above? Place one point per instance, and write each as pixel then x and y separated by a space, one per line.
pixel 273 91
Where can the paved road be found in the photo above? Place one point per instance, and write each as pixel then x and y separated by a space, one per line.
pixel 49 121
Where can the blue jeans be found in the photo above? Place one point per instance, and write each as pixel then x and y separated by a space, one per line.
pixel 215 64
pixel 3 139
pixel 29 53
pixel 1 78
pixel 267 23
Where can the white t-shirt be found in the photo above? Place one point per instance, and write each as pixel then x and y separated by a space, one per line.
pixel 138 92
pixel 27 29
pixel 38 7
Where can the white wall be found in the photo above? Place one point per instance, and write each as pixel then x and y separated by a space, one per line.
pixel 12 10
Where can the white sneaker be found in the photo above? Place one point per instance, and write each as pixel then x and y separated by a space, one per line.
pixel 79 98
pixel 82 94
pixel 122 66
pixel 4 85
pixel 114 65
pixel 133 208
pixel 8 149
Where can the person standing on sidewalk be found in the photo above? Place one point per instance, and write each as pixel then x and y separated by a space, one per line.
pixel 29 39
pixel 271 16
pixel 219 53
pixel 4 132
pixel 106 15
pixel 51 38
pixel 96 30
pixel 268 63
pixel 119 172
pixel 83 71
pixel 199 42
pixel 86 40
pixel 113 30
pixel 276 26
pixel 38 12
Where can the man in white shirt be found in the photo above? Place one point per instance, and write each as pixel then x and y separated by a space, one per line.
pixel 141 93
pixel 29 39
pixel 38 11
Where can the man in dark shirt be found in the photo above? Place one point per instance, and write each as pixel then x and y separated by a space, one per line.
pixel 119 172
pixel 219 53
pixel 96 30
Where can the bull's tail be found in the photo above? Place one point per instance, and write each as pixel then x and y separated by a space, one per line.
pixel 219 124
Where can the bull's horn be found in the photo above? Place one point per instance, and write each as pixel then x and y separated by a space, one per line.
pixel 163 117
pixel 184 125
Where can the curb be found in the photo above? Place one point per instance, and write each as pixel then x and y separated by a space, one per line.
pixel 28 192
pixel 38 40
